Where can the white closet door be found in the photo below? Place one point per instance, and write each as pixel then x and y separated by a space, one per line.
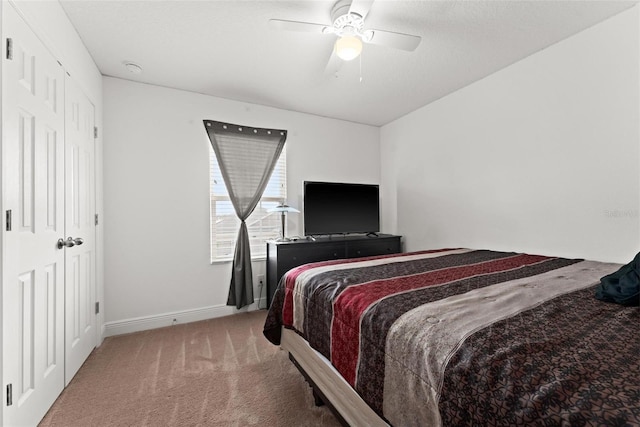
pixel 33 174
pixel 80 318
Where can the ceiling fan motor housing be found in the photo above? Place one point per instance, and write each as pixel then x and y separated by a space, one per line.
pixel 347 23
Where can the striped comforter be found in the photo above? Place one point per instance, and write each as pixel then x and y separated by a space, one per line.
pixel 469 337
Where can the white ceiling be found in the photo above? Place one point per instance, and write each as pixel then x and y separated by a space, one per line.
pixel 227 49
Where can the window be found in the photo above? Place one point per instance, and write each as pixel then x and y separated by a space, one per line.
pixel 262 224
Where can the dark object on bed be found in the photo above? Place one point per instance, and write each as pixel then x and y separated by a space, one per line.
pixel 469 337
pixel 623 286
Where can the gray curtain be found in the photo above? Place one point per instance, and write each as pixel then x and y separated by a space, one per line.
pixel 246 157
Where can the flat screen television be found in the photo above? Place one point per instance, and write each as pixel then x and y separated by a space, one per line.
pixel 340 208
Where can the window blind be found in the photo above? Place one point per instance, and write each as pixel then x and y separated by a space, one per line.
pixel 262 224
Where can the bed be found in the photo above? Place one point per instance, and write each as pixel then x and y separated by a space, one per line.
pixel 461 337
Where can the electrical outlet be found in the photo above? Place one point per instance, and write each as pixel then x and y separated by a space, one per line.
pixel 261 287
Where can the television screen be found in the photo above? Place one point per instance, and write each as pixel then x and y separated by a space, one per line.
pixel 340 208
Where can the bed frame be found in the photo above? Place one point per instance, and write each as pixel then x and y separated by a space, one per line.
pixel 328 385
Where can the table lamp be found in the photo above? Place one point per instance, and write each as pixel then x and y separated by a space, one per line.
pixel 283 209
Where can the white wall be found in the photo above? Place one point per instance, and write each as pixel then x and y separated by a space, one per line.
pixel 156 166
pixel 542 156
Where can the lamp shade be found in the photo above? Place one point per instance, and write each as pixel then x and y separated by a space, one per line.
pixel 284 208
pixel 348 47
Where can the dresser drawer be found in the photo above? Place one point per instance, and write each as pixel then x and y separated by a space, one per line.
pixel 295 255
pixel 372 247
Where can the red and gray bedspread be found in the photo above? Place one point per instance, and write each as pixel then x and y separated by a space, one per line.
pixel 470 337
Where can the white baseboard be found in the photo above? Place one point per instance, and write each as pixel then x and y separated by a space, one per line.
pixel 137 324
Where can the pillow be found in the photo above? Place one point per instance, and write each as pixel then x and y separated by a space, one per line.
pixel 623 286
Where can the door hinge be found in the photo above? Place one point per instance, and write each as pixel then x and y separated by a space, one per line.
pixel 96 219
pixel 8 220
pixel 9 394
pixel 97 307
pixel 95 132
pixel 9 48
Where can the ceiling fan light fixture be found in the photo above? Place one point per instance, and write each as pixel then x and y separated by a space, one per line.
pixel 348 47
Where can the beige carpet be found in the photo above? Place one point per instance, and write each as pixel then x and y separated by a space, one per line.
pixel 219 372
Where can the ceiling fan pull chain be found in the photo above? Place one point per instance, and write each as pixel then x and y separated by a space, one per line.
pixel 360 61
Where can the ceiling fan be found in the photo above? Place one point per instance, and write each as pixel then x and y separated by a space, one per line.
pixel 348 25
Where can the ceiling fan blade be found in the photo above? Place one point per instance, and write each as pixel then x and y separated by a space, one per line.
pixel 333 65
pixel 361 7
pixel 396 40
pixel 306 27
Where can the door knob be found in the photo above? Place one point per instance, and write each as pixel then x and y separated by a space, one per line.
pixel 69 243
pixel 78 241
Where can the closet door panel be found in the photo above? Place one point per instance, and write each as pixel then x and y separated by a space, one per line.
pixel 33 273
pixel 80 318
